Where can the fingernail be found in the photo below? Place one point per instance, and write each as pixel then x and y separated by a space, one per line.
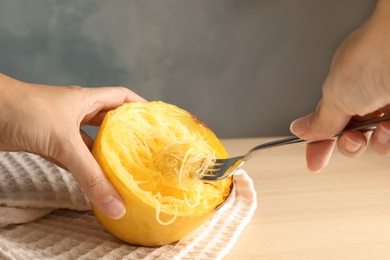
pixel 113 207
pixel 352 146
pixel 301 125
pixel 383 136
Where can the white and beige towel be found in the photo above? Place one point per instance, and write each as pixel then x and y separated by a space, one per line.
pixel 45 215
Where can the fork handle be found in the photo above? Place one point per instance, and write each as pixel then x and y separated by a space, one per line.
pixel 363 126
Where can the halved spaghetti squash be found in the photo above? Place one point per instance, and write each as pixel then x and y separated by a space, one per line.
pixel 153 153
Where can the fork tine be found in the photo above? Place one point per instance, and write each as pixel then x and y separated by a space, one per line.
pixel 216 166
pixel 218 162
pixel 222 168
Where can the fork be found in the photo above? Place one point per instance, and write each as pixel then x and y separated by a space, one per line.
pixel 224 168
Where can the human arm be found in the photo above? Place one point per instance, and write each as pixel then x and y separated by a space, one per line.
pixel 357 86
pixel 46 120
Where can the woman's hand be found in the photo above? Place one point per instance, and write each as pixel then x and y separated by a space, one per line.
pixel 46 120
pixel 357 87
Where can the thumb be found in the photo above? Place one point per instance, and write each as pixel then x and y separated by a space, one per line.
pixel 324 123
pixel 96 186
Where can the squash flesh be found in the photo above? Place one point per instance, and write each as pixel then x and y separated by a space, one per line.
pixel 153 152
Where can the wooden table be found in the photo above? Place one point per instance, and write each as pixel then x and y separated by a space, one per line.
pixel 341 213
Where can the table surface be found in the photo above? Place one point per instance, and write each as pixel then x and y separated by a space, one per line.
pixel 342 212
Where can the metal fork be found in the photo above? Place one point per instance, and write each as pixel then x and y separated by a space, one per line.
pixel 224 168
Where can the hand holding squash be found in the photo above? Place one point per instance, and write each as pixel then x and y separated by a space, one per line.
pixel 46 120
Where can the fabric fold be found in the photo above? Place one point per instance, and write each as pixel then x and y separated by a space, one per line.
pixel 44 214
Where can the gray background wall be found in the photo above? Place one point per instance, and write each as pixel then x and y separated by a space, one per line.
pixel 245 68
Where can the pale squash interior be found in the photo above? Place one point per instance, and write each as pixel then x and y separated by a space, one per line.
pixel 158 151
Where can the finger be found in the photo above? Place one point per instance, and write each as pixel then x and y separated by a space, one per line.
pixel 92 180
pixel 318 154
pixel 368 116
pixel 54 161
pixel 87 139
pixel 324 123
pixel 97 119
pixel 381 139
pixel 353 143
pixel 386 109
pixel 112 97
pixel 105 99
